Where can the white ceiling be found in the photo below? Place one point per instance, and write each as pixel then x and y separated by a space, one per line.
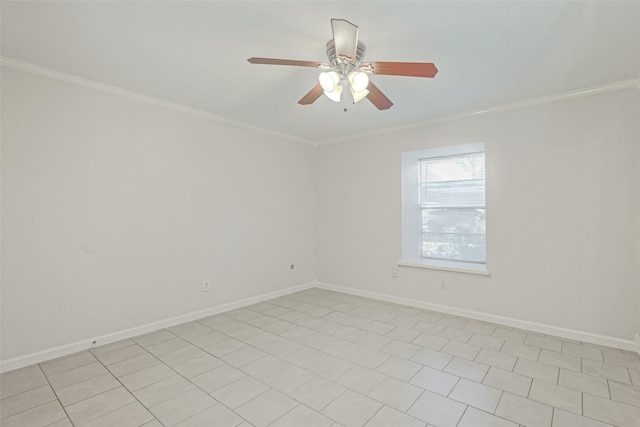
pixel 194 54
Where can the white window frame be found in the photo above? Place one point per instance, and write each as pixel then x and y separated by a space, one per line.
pixel 412 211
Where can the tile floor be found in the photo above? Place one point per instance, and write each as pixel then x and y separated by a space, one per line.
pixel 321 358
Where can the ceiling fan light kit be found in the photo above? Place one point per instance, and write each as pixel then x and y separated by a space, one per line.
pixel 345 53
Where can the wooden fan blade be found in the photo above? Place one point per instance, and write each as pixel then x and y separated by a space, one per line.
pixel 312 95
pixel 411 69
pixel 378 98
pixel 345 36
pixel 273 61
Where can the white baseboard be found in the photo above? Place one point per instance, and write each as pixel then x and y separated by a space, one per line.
pixel 507 321
pixel 66 349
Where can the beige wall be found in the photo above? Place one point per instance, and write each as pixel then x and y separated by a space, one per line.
pixel 168 200
pixel 560 197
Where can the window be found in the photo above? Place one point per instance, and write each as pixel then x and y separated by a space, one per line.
pixel 444 212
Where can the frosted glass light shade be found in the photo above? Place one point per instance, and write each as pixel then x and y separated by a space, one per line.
pixel 359 80
pixel 329 80
pixel 334 95
pixel 358 96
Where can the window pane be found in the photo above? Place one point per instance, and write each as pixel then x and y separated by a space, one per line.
pixel 461 220
pixel 453 180
pixel 458 247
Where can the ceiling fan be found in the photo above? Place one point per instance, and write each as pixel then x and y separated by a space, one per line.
pixel 345 68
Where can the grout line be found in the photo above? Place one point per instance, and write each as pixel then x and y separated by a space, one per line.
pixel 57 398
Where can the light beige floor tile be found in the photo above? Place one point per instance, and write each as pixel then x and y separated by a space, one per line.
pixel 63 423
pixel 560 360
pixel 152 338
pixel 400 349
pixel 111 346
pixel 361 379
pixel 402 334
pixel 134 364
pixel 537 370
pixel 437 410
pixel 378 327
pixel 162 391
pixel 485 341
pixel 77 375
pixel 465 351
pixel 368 357
pixel 66 363
pixel 543 342
pixel 25 401
pixel 430 341
pixel 302 416
pixel 21 380
pixel 480 328
pixel 88 388
pixel 510 335
pixel 120 354
pixel 289 379
pixel 144 377
pixel 42 415
pixel 610 411
pixel 374 341
pixel 585 383
pixel 476 395
pixel 216 378
pixel 267 366
pixel 331 368
pixel 132 415
pixel 352 409
pixel 167 346
pixel 508 381
pixel 399 368
pixel 475 418
pixel 583 351
pixel 266 408
pixel 214 416
pixel 395 393
pixel 207 339
pixel 521 350
pixel 456 334
pixel 198 366
pixel 453 322
pixel 386 417
pixel 605 370
pixel 563 418
pixel 182 407
pixel 428 328
pixel 243 356
pixel 96 406
pixel 318 393
pixel 625 393
pixel 497 359
pixel 342 348
pixel 227 346
pixel 467 369
pixel 435 380
pixel 239 392
pixel 182 355
pixel 524 411
pixel 432 358
pixel 557 396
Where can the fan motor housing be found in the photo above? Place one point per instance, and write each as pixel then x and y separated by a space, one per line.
pixel 336 62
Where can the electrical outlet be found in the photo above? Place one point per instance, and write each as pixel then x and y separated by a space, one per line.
pixel 394 273
pixel 206 286
pixel 443 286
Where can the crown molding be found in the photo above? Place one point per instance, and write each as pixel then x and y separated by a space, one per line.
pixel 113 90
pixel 69 78
pixel 594 90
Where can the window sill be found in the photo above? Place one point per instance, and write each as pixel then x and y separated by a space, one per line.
pixel 457 267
